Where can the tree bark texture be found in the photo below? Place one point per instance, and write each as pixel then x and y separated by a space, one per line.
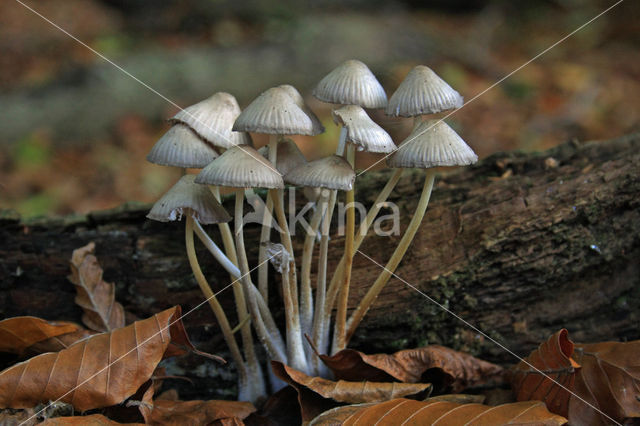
pixel 518 245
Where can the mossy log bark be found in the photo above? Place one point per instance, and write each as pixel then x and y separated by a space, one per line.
pixel 518 245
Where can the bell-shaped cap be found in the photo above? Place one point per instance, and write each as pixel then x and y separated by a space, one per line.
pixel 362 131
pixel 432 143
pixel 331 172
pixel 181 147
pixel 241 167
pixel 289 156
pixel 351 83
pixel 188 198
pixel 274 112
pixel 213 118
pixel 299 100
pixel 422 92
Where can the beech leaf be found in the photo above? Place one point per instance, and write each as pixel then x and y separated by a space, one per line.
pixel 169 413
pixel 92 420
pixel 95 296
pixel 606 375
pixel 314 391
pixel 443 367
pixel 19 333
pixel 410 412
pixel 99 371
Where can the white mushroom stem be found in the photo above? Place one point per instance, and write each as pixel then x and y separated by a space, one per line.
pixel 230 263
pixel 306 298
pixel 339 335
pixel 265 232
pixel 320 321
pixel 275 348
pixel 360 235
pixel 291 299
pixel 243 374
pixel 342 141
pixel 396 257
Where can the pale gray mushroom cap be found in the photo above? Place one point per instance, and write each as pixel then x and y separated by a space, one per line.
pixel 422 92
pixel 289 156
pixel 181 147
pixel 331 172
pixel 432 143
pixel 241 167
pixel 362 131
pixel 213 118
pixel 274 112
pixel 299 100
pixel 351 83
pixel 188 198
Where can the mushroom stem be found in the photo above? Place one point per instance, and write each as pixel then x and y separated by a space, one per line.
pixel 265 232
pixel 238 292
pixel 360 235
pixel 273 346
pixel 342 141
pixel 396 257
pixel 306 298
pixel 343 297
pixel 221 317
pixel 320 320
pixel 293 323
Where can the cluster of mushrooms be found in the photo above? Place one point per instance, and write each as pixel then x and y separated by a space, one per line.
pixel 214 135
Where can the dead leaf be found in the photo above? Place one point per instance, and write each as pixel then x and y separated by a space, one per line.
pixel 441 366
pixel 606 375
pixel 311 390
pixel 19 333
pixel 553 358
pixel 100 371
pixel 410 412
pixel 167 413
pixel 92 420
pixel 58 343
pixel 95 296
pixel 609 380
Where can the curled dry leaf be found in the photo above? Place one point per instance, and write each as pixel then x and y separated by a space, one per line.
pixel 99 371
pixel 602 377
pixel 443 367
pixel 313 390
pixel 95 296
pixel 410 412
pixel 92 420
pixel 19 333
pixel 58 343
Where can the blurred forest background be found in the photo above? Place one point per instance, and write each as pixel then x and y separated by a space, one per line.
pixel 74 130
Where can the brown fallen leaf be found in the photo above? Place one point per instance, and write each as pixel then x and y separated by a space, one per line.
pixel 92 420
pixel 19 333
pixel 58 343
pixel 99 371
pixel 553 358
pixel 410 412
pixel 602 376
pixel 168 413
pixel 95 296
pixel 443 367
pixel 314 391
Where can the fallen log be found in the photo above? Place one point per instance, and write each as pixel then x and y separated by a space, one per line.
pixel 519 245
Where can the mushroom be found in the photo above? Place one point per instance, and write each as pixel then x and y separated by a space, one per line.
pixel 351 83
pixel 431 144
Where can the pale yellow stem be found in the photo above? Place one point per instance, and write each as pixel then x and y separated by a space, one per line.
pixel 396 257
pixel 265 237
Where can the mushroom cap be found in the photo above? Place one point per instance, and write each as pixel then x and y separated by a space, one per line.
pixel 422 92
pixel 362 131
pixel 299 100
pixel 241 166
pixel 331 172
pixel 274 112
pixel 212 120
pixel 181 147
pixel 432 143
pixel 188 198
pixel 289 156
pixel 351 83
